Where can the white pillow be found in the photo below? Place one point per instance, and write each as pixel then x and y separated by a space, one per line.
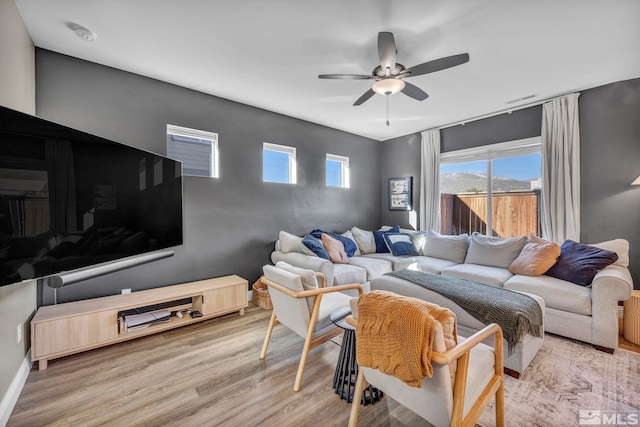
pixel 452 248
pixel 291 243
pixel 493 251
pixel 349 235
pixel 365 241
pixel 619 246
pixel 308 278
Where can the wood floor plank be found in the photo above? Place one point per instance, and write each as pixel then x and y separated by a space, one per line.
pixel 203 374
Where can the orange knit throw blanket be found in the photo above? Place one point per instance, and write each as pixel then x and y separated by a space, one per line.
pixel 395 334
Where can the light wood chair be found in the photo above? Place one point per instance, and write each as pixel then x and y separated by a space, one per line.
pixel 479 377
pixel 305 312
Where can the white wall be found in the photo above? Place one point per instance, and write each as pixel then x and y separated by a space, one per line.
pixel 17 302
pixel 17 61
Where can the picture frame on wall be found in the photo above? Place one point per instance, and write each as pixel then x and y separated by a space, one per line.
pixel 400 193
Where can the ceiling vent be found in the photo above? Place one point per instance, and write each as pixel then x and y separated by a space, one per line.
pixel 524 98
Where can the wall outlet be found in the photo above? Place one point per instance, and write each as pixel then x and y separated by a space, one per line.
pixel 19 334
pixel 126 291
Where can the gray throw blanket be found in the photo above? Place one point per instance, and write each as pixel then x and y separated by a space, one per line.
pixel 516 313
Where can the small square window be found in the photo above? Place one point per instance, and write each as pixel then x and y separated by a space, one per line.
pixel 196 149
pixel 337 171
pixel 278 163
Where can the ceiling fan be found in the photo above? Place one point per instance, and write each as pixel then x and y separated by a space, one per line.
pixel 389 75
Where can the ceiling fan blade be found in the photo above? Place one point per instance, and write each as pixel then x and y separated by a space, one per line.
pixel 387 51
pixel 414 92
pixel 437 65
pixel 368 94
pixel 346 76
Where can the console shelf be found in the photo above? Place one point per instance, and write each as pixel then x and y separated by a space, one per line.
pixel 73 327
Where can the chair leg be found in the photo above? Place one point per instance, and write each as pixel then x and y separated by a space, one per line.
pixel 272 323
pixel 500 406
pixel 303 361
pixel 357 397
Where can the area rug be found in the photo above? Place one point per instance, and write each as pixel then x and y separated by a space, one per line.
pixel 570 383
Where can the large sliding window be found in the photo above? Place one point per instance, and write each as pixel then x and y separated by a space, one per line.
pixel 493 189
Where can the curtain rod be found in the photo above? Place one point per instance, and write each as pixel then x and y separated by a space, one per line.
pixel 505 111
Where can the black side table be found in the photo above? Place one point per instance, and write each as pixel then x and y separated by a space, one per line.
pixel 344 380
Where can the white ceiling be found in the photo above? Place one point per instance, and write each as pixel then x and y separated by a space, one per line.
pixel 268 53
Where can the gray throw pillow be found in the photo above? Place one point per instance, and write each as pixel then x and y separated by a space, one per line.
pixel 493 251
pixel 451 248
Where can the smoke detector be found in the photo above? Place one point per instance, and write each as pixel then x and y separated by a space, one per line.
pixel 83 33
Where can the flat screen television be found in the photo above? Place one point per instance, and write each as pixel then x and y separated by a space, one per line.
pixel 70 200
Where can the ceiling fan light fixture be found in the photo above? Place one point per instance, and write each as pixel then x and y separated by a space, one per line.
pixel 388 86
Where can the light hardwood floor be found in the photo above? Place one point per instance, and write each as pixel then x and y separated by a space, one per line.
pixel 206 374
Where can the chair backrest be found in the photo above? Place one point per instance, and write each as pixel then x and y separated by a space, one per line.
pixel 433 400
pixel 291 312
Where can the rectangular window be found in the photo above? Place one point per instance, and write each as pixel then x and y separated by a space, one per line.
pixel 196 149
pixel 278 163
pixel 337 171
pixel 494 189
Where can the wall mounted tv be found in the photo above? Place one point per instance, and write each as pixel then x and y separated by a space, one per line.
pixel 70 200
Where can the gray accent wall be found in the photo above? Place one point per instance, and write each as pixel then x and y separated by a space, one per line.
pixel 401 158
pixel 230 223
pixel 17 91
pixel 609 161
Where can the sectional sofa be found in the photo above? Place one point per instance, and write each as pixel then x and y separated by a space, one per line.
pixel 586 312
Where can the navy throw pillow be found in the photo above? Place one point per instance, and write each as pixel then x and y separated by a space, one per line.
pixel 400 244
pixel 317 233
pixel 349 245
pixel 315 245
pixel 579 263
pixel 381 245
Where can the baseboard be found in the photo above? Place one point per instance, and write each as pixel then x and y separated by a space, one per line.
pixel 249 296
pixel 15 388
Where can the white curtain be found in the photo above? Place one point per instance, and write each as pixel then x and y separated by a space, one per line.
pixel 430 180
pixel 561 169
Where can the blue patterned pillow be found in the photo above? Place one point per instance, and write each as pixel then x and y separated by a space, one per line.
pixel 400 244
pixel 315 245
pixel 579 263
pixel 349 245
pixel 381 245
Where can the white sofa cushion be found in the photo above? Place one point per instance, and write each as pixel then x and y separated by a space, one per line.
pixel 451 248
pixel 345 274
pixel 557 294
pixel 424 263
pixel 374 267
pixel 619 246
pixel 488 275
pixel 364 239
pixel 493 251
pixel 287 242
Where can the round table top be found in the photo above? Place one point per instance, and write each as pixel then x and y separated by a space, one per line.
pixel 339 318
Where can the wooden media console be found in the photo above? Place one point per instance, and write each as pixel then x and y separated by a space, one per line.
pixel 73 327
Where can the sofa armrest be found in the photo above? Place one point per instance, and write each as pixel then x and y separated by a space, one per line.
pixel 317 264
pixel 613 282
pixel 609 286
